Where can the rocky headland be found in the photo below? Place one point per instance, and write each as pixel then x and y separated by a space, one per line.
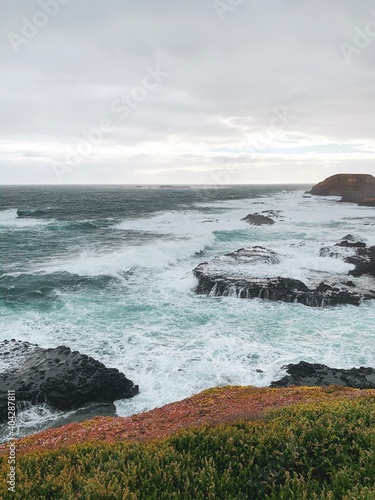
pixel 353 188
pixel 62 378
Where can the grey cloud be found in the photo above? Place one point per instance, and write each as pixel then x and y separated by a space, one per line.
pixel 226 79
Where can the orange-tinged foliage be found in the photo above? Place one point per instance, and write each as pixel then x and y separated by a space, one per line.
pixel 212 406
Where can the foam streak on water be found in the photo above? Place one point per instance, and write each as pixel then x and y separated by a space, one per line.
pixel 116 265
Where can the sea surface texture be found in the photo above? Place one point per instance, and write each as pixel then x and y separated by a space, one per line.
pixel 107 271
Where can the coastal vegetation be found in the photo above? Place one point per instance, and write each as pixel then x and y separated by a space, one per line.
pixel 321 445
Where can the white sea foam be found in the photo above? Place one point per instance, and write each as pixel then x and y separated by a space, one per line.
pixel 160 254
pixel 177 223
pixel 9 218
pixel 173 343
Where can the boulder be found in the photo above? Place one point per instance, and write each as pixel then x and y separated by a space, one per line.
pixel 258 220
pixel 62 378
pixel 311 374
pixel 353 188
pixel 351 241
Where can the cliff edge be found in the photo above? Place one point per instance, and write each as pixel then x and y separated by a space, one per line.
pixel 354 188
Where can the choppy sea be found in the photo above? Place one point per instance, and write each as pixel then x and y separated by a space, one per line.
pixel 107 271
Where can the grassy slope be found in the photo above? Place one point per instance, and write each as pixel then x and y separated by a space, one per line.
pixel 208 407
pixel 320 445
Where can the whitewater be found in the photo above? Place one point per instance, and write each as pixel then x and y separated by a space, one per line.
pixel 107 271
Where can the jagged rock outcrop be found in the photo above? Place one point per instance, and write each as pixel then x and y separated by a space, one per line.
pixel 62 378
pixel 258 220
pixel 364 261
pixel 254 273
pixel 311 374
pixel 353 188
pixel 351 241
pixel 353 250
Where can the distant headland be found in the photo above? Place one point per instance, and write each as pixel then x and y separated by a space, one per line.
pixel 353 188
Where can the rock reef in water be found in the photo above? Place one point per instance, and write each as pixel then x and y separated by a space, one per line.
pixel 34 212
pixel 62 378
pixel 253 273
pixel 258 219
pixel 310 374
pixel 364 261
pixel 363 257
pixel 353 188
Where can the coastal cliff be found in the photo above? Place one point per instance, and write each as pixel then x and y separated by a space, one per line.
pixel 353 188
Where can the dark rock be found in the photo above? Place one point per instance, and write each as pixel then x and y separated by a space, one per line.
pixel 271 213
pixel 350 244
pixel 235 275
pixel 351 241
pixel 329 252
pixel 34 212
pixel 258 220
pixel 353 188
pixel 353 250
pixel 59 377
pixel 309 374
pixel 353 238
pixel 364 261
pixel 349 283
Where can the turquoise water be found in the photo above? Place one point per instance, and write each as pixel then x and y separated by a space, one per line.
pixel 107 271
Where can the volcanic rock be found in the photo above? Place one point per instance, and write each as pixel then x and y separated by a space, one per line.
pixel 258 219
pixel 364 261
pixel 309 374
pixel 351 241
pixel 354 188
pixel 62 378
pixel 353 250
pixel 254 273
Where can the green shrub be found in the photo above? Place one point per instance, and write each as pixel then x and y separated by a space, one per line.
pixel 309 451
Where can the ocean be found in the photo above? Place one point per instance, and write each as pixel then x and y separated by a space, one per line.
pixel 107 271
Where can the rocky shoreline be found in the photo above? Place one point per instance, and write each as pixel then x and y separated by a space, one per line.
pixel 59 377
pixel 312 374
pixel 68 380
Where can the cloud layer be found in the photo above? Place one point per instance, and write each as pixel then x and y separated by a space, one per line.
pixel 205 91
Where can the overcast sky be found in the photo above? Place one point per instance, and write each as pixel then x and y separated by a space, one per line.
pixel 196 91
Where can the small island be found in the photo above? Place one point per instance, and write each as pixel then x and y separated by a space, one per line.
pixel 353 188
